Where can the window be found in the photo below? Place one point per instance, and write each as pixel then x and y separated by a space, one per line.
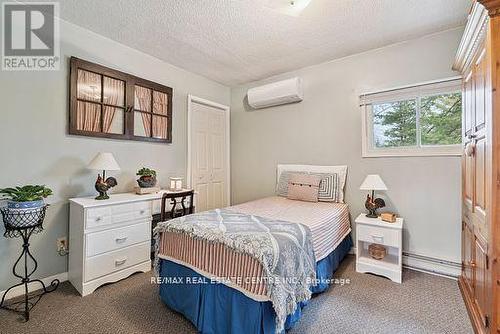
pixel 420 120
pixel 110 104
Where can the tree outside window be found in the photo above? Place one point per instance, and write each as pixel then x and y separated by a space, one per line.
pixel 422 121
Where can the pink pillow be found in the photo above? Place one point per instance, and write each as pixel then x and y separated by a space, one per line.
pixel 303 187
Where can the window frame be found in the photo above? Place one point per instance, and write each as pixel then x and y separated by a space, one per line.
pixel 130 81
pixel 416 92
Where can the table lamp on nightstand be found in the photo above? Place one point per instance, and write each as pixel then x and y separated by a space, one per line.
pixel 373 182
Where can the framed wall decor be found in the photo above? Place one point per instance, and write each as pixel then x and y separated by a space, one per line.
pixel 107 103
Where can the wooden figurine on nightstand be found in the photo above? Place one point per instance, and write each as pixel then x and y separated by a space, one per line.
pixel 373 182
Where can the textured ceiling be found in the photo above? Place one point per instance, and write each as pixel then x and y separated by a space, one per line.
pixel 237 41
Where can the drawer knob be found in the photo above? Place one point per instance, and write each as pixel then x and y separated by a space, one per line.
pixel 143 211
pixel 379 238
pixel 120 262
pixel 98 219
pixel 120 240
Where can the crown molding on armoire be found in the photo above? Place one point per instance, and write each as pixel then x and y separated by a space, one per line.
pixel 472 38
pixel 492 6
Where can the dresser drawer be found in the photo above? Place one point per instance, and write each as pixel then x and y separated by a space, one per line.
pixel 109 240
pixel 98 217
pixel 383 236
pixel 104 264
pixel 116 214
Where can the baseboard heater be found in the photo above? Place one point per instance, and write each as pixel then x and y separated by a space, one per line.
pixel 431 265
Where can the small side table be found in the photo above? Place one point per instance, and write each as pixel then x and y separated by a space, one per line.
pixel 375 231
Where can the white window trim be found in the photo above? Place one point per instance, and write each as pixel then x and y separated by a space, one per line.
pixel 402 93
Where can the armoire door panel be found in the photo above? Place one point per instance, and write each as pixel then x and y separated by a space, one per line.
pixel 467 256
pixel 480 173
pixel 480 279
pixel 468 96
pixel 481 205
pixel 468 175
pixel 480 91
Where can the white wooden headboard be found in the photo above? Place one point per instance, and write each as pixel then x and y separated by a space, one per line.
pixel 341 170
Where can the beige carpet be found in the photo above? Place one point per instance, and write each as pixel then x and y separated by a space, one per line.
pixel 369 304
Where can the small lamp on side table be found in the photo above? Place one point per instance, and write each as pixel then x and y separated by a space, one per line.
pixel 104 162
pixel 373 182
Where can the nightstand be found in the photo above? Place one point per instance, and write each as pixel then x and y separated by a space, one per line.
pixel 375 231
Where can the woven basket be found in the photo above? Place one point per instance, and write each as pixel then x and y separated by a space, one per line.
pixel 376 251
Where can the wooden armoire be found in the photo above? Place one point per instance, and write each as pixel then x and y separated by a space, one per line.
pixel 478 59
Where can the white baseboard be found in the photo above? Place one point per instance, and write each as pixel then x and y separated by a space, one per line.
pixel 19 290
pixel 431 265
pixel 428 265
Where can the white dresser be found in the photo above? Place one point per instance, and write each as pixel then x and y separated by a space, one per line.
pixel 109 239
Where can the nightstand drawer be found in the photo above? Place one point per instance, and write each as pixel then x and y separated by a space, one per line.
pixel 378 235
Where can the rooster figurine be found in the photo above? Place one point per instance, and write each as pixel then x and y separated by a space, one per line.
pixel 103 186
pixel 372 205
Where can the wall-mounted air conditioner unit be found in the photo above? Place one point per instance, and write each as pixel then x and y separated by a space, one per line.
pixel 276 93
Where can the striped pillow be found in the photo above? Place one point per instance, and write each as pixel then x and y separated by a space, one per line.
pixel 282 188
pixel 329 188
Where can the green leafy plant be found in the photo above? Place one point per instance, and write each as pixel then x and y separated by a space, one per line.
pixel 26 193
pixel 146 172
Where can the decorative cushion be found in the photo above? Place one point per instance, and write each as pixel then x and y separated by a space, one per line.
pixel 282 188
pixel 329 187
pixel 303 187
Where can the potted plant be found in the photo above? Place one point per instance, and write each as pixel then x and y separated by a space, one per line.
pixel 147 177
pixel 26 197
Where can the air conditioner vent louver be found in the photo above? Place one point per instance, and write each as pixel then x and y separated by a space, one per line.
pixel 276 93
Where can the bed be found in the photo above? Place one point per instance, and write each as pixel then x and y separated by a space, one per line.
pixel 221 288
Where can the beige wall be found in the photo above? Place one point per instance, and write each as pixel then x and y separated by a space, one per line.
pixel 325 129
pixel 34 146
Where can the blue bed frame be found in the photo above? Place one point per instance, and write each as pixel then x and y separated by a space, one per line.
pixel 217 308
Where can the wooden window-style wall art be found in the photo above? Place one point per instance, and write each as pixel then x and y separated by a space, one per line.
pixel 111 104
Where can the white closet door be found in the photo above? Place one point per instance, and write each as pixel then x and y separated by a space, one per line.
pixel 209 143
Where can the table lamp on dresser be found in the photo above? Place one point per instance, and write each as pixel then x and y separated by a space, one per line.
pixel 104 162
pixel 373 182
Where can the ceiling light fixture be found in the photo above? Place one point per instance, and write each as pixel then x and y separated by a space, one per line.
pixel 288 7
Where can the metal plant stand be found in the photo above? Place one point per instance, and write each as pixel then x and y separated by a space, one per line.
pixel 24 223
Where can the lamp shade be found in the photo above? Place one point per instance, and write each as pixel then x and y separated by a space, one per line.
pixel 104 161
pixel 373 182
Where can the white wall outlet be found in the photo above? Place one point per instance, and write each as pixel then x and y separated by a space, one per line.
pixel 62 245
